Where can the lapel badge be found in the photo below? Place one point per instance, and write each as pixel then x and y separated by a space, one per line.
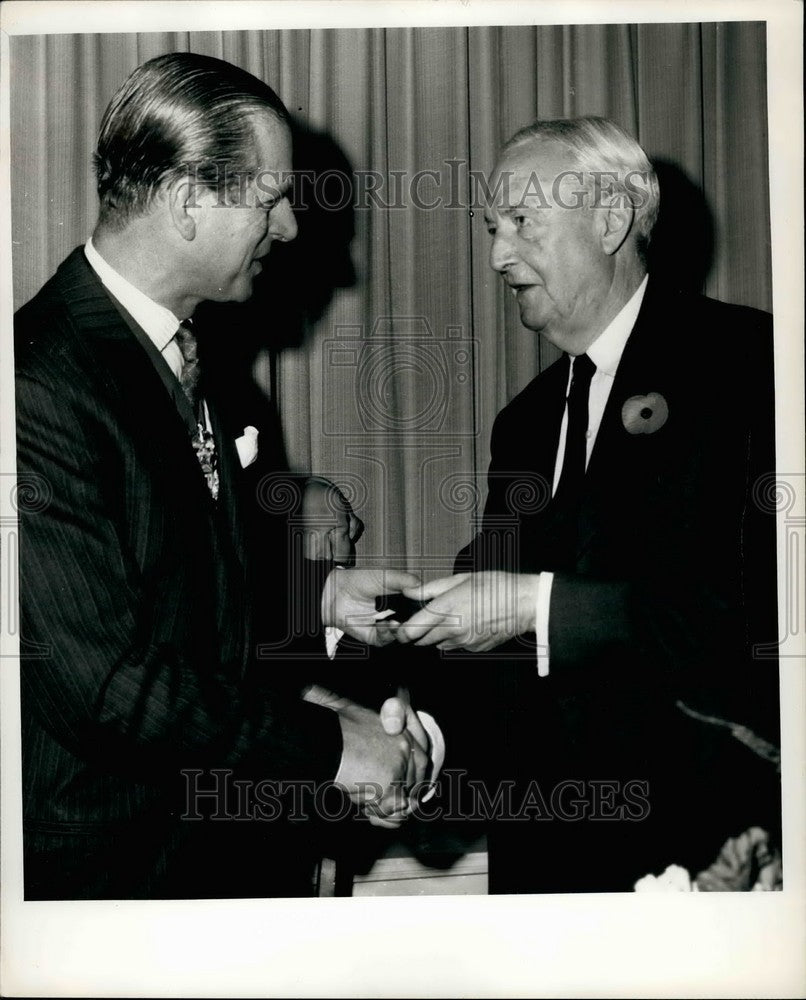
pixel 644 414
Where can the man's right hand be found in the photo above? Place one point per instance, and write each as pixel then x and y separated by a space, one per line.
pixel 377 769
pixel 348 601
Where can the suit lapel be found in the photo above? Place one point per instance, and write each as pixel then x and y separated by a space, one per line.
pixel 226 453
pixel 232 541
pixel 618 463
pixel 229 472
pixel 548 406
pixel 139 393
pixel 149 403
pixel 163 369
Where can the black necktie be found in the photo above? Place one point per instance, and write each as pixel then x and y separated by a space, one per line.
pixel 569 487
pixel 203 441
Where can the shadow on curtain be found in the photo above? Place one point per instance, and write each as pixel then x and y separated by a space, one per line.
pixel 381 335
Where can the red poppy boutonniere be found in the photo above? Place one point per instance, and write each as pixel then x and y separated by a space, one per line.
pixel 644 414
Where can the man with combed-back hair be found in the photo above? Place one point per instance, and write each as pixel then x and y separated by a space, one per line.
pixel 166 120
pixel 155 744
pixel 617 598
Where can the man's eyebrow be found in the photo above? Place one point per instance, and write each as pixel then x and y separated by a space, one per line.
pixel 505 210
pixel 277 190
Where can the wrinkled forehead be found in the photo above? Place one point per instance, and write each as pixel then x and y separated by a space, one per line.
pixel 272 141
pixel 533 174
pixel 273 154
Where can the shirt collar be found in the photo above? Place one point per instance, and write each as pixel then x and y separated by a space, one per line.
pixel 605 352
pixel 158 322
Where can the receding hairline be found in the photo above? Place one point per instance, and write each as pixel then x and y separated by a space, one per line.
pixel 266 115
pixel 268 128
pixel 585 140
pixel 597 147
pixel 528 146
pixel 527 151
pixel 518 142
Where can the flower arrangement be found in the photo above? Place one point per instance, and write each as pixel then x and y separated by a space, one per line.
pixel 747 863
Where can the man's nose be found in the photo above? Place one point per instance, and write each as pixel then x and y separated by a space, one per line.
pixel 502 253
pixel 282 222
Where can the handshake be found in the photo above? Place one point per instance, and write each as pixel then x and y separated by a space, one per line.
pixel 387 757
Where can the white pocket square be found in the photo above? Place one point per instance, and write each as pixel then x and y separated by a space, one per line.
pixel 247 446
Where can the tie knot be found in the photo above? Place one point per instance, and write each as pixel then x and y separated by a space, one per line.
pixel 191 371
pixel 582 370
pixel 186 340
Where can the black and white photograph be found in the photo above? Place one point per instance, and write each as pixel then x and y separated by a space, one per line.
pixel 402 488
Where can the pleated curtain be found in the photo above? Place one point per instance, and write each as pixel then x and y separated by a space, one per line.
pixel 392 385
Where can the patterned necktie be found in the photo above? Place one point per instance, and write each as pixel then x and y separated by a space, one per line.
pixel 191 372
pixel 203 440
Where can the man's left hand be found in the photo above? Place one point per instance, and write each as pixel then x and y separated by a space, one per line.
pixel 472 611
pixel 330 526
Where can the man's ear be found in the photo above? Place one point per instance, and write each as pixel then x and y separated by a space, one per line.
pixel 183 205
pixel 615 222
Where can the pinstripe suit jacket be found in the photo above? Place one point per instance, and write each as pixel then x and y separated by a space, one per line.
pixel 137 613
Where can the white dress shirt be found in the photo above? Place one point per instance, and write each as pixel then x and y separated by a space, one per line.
pixel 157 322
pixel 160 325
pixel 605 352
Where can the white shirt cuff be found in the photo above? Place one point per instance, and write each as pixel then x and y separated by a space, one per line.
pixel 332 637
pixel 437 749
pixel 542 622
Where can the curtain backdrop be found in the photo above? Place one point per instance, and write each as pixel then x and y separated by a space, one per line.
pixel 382 335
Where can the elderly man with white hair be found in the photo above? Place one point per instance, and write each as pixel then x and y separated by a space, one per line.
pixel 623 576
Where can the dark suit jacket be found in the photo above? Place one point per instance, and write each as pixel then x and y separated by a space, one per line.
pixel 671 583
pixel 138 621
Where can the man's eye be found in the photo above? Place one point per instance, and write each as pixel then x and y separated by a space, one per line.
pixel 491 230
pixel 519 220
